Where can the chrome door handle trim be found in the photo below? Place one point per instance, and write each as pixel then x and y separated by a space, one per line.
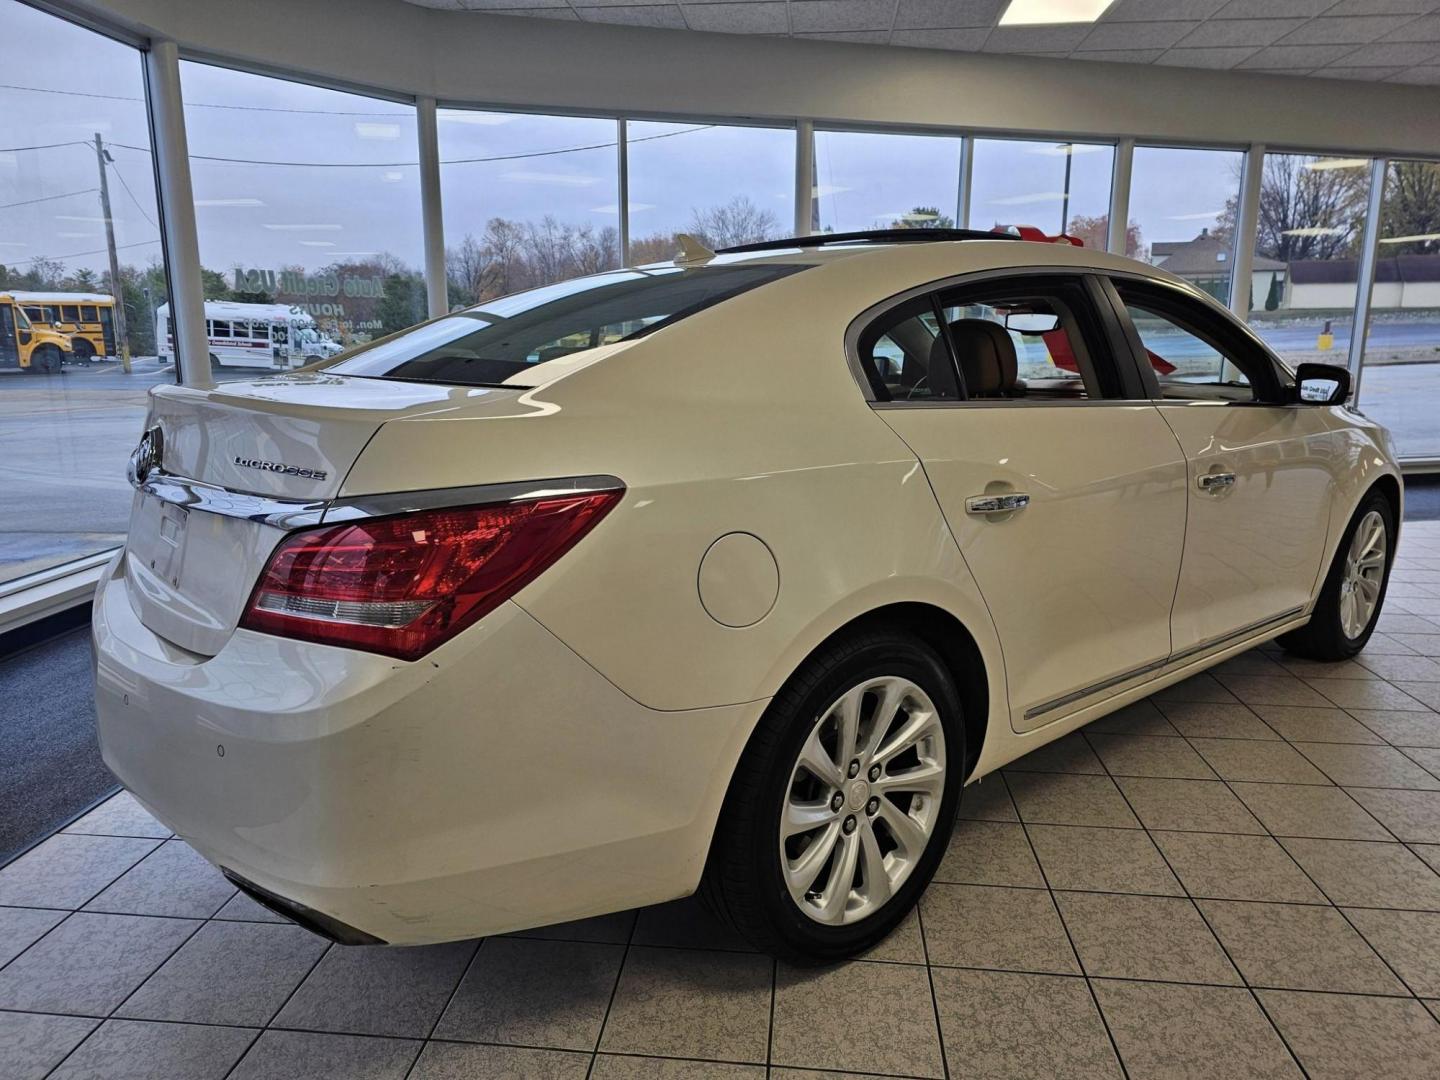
pixel 1216 481
pixel 996 504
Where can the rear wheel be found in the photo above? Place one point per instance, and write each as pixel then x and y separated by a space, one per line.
pixel 84 351
pixel 843 802
pixel 1354 590
pixel 46 360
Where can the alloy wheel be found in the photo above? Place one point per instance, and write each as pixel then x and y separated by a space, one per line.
pixel 1364 575
pixel 863 800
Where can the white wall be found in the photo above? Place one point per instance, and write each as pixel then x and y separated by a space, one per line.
pixel 544 64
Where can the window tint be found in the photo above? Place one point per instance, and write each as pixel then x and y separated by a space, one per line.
pixel 1016 346
pixel 488 344
pixel 1194 355
pixel 87 313
pixel 904 357
pixel 70 312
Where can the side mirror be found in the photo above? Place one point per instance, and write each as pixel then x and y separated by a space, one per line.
pixel 1322 384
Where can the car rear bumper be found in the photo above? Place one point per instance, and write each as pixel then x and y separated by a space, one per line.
pixel 497 784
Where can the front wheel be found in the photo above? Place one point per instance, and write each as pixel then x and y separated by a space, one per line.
pixel 1354 592
pixel 843 802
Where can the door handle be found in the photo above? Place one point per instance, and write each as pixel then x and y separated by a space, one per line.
pixel 996 504
pixel 1216 481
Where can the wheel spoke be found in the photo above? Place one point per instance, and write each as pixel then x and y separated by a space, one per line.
pixel 803 817
pixel 891 698
pixel 816 760
pixel 877 878
pixel 842 879
pixel 804 870
pixel 907 831
pixel 915 727
pixel 847 716
pixel 926 778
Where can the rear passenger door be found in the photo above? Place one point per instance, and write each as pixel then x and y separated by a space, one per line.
pixel 1260 466
pixel 1062 485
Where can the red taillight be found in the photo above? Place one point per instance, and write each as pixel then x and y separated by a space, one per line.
pixel 402 585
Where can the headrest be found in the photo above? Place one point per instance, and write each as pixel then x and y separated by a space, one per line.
pixel 987 357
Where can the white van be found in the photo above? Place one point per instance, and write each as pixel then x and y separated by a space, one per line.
pixel 252 336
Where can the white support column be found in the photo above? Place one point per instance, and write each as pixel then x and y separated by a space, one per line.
pixel 804 177
pixel 1365 286
pixel 1247 224
pixel 1119 230
pixel 171 155
pixel 964 183
pixel 622 185
pixel 432 218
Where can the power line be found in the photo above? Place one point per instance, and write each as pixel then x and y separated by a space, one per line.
pixel 45 146
pixel 413 164
pixel 49 198
pixel 194 104
pixel 120 176
pixel 98 251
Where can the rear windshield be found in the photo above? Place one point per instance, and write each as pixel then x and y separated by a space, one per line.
pixel 498 339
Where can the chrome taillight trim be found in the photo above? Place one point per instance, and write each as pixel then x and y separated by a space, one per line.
pixel 291 514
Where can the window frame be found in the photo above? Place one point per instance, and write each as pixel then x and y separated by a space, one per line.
pixel 1111 339
pixel 1217 326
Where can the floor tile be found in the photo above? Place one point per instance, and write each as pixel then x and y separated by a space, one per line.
pixel 1413 816
pixel 1187 805
pixel 1421 668
pixel 990 853
pixel 31 1044
pixel 1103 860
pixel 686 924
pixel 240 908
pixel 140 1050
pixel 466 1061
pixel 1263 762
pixel 679 1003
pixel 1235 868
pixel 534 993
pixel 1192 1032
pixel 172 880
pixel 1368 766
pixel 612 929
pixel 228 973
pixel 1272 690
pixel 1205 719
pixel 378 991
pixel 1070 753
pixel 1143 937
pixel 1424 644
pixel 1337 1036
pixel 987 799
pixel 289 1055
pixel 1408 940
pixel 120 815
pixel 1324 669
pixel 1308 810
pixel 22 927
pixel 1401 728
pixel 1316 725
pixel 1430 853
pixel 1149 755
pixel 903 945
pixel 90 963
pixel 1202 687
pixel 1382 644
pixel 67 869
pixel 1063 799
pixel 1427 757
pixel 1023 1027
pixel 1298 947
pixel 1427 693
pixel 1373 694
pixel 867 1018
pixel 1139 718
pixel 1011 929
pixel 1357 873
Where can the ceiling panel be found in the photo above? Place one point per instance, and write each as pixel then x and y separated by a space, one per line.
pixel 1367 40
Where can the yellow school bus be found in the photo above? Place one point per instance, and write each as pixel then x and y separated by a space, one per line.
pixel 87 319
pixel 26 346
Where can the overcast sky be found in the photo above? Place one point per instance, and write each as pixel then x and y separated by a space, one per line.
pixel 354 189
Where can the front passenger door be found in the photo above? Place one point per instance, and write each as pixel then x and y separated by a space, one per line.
pixel 1260 468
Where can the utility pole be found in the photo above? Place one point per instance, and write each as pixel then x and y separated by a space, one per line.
pixel 1069 149
pixel 122 341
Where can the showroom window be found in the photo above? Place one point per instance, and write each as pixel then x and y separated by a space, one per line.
pixel 1056 186
pixel 67 147
pixel 724 184
pixel 1401 384
pixel 529 200
pixel 1308 241
pixel 883 180
pixel 306 200
pixel 1183 205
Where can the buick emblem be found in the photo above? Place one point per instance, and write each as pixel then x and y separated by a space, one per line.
pixel 146 457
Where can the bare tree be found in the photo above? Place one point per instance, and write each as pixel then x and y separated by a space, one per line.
pixel 1412 207
pixel 1307 211
pixel 739 221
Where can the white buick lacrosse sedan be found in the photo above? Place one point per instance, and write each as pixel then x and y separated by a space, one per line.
pixel 726 574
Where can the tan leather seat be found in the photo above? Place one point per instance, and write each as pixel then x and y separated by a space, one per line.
pixel 987 358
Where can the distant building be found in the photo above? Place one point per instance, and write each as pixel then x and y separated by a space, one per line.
pixel 1206 261
pixel 1401 281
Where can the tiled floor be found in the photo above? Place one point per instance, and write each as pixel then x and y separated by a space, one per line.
pixel 1239 877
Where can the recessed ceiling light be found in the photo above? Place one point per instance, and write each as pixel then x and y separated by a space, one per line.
pixel 1042 12
pixel 229 202
pixel 1316 230
pixel 1415 239
pixel 1026 200
pixel 1337 163
pixel 300 228
pixel 368 130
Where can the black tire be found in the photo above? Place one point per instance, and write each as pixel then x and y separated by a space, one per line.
pixel 46 360
pixel 1324 636
pixel 84 351
pixel 744 883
